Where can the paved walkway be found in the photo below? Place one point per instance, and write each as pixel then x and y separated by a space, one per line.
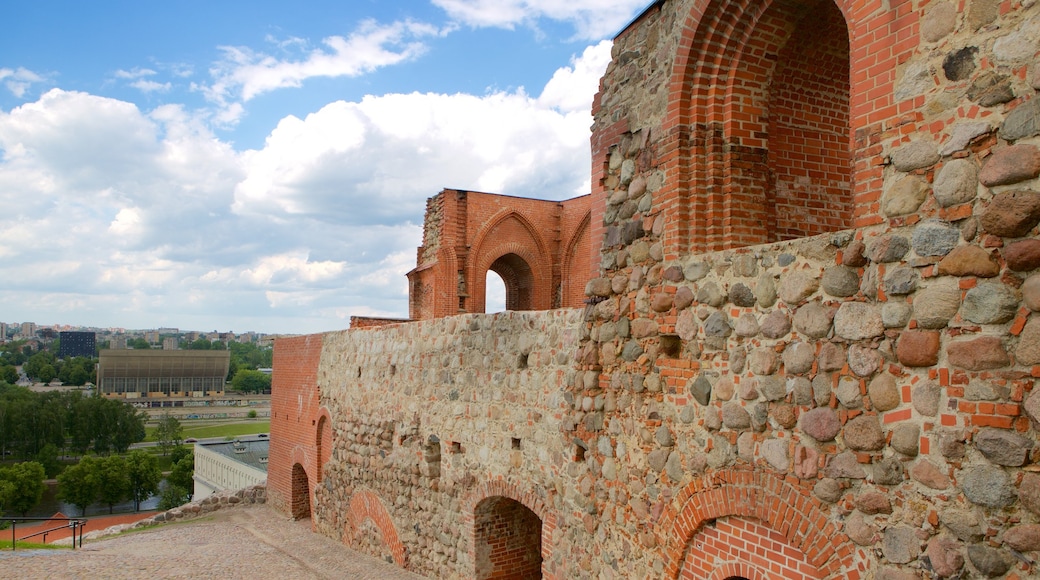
pixel 248 542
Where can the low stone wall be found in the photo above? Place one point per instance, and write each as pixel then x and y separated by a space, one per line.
pixel 256 494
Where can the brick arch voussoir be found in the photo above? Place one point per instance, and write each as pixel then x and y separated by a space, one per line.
pixel 366 505
pixel 741 569
pixel 540 268
pixel 789 510
pixel 500 217
pixel 301 455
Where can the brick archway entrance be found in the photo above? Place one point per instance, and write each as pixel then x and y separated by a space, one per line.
pixel 518 279
pixel 507 540
pixel 301 493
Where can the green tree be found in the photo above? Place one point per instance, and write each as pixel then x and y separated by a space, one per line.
pixel 34 367
pixel 9 374
pixel 169 432
pixel 249 381
pixel 78 484
pixel 173 496
pixel 138 344
pixel 77 371
pixel 25 486
pixel 180 452
pixel 113 479
pixel 183 472
pixel 48 458
pixel 145 476
pixel 46 374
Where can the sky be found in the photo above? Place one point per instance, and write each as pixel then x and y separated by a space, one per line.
pixel 264 166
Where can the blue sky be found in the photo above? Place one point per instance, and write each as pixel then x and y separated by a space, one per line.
pixel 255 166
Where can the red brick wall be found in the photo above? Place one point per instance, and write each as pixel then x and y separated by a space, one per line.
pixel 764 553
pixel 294 414
pixel 540 249
pixel 372 322
pixel 508 539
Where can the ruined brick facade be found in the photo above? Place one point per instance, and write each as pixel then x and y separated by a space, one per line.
pixel 539 248
pixel 812 343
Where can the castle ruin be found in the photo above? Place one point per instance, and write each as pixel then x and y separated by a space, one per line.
pixel 809 340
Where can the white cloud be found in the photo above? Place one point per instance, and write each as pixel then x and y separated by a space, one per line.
pixel 243 73
pixel 573 88
pixel 592 19
pixel 146 86
pixel 19 80
pixel 135 73
pixel 146 218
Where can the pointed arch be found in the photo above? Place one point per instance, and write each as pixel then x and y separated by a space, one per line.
pixel 511 245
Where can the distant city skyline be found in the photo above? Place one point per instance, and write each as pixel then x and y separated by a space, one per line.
pixel 266 165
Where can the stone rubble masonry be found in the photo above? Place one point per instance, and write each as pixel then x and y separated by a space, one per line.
pixel 794 335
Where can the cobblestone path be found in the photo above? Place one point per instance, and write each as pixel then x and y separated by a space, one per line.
pixel 254 543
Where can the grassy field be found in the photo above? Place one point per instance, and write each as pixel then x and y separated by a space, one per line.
pixel 218 428
pixel 6 544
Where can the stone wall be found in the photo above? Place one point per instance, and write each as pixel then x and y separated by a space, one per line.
pixel 427 415
pixel 875 371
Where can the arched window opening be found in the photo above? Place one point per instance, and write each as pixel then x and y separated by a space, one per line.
pixel 518 280
pixel 508 540
pixel 494 293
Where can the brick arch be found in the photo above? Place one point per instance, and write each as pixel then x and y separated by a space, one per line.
pixel 366 505
pixel 576 264
pixel 462 227
pixel 499 488
pixel 322 441
pixel 786 509
pixel 504 237
pixel 732 570
pixel 755 150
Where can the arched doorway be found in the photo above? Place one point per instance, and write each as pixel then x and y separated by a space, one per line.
pixel 508 540
pixel 301 493
pixel 518 279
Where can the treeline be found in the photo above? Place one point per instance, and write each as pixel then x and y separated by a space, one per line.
pixel 44 367
pixel 65 421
